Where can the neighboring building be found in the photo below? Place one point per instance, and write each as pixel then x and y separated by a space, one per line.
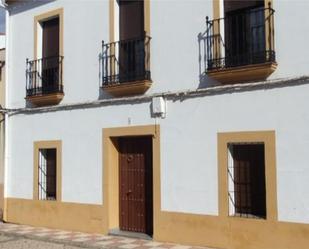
pixel 2 103
pixel 148 132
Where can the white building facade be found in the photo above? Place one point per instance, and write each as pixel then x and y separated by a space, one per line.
pixel 188 131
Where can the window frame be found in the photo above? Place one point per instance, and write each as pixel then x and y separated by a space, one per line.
pixel 38 35
pixel 52 144
pixel 269 140
pixel 236 182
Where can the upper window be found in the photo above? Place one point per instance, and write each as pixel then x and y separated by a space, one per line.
pixel 243 38
pixel 244 27
pixel 126 63
pixel 44 73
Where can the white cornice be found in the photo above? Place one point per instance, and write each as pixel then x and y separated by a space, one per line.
pixel 179 95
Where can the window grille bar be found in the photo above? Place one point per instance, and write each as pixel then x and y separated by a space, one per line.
pixel 126 61
pixel 44 76
pixel 239 39
pixel 47 167
pixel 246 180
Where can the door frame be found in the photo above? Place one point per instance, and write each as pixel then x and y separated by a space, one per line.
pixel 111 172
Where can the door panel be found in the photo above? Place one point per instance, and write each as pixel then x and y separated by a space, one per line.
pixel 135 184
pixel 131 19
pixel 50 54
pixel 132 40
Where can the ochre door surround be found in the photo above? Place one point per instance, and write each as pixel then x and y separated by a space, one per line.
pixel 111 171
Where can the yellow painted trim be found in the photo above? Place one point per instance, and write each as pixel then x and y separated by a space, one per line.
pixel 57 144
pixel 251 72
pixel 128 89
pixel 44 17
pixel 216 9
pixel 267 31
pixel 57 215
pixel 112 18
pixel 230 232
pixel 131 88
pixel 227 232
pixel 208 230
pixel 147 16
pixel 5 208
pixel 110 172
pixel 269 140
pixel 46 99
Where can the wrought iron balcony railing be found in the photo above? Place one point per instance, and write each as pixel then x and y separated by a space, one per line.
pixel 44 76
pixel 241 38
pixel 126 61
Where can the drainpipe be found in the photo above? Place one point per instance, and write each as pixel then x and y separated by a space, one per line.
pixel 6 115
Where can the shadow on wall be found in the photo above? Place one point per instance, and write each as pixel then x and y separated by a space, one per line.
pixel 204 80
pixel 102 93
pixel 29 104
pixel 21 6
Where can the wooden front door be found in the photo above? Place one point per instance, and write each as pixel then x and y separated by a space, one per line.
pixel 135 184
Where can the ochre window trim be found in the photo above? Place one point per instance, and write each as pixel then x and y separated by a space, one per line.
pixel 52 98
pixel 53 144
pixel 43 17
pixel 266 137
pixel 130 88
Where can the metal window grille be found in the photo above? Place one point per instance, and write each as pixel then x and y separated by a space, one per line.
pixel 47 174
pixel 240 38
pixel 44 76
pixel 246 180
pixel 126 61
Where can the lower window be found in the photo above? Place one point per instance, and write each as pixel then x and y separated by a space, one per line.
pixel 246 180
pixel 47 174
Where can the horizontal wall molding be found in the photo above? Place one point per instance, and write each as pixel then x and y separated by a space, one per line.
pixel 175 96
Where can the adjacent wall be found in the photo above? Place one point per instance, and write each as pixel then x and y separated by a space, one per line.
pixel 2 103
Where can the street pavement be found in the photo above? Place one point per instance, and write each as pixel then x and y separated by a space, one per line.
pixel 17 242
pixel 14 236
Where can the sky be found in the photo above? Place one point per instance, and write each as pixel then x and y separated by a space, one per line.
pixel 2 20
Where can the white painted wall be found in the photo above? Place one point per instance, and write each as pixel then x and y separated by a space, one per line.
pixel 2 41
pixel 85 26
pixel 188 147
pixel 188 134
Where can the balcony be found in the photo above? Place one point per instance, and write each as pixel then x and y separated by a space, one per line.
pixel 239 47
pixel 126 67
pixel 44 81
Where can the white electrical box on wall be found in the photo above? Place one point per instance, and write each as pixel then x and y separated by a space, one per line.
pixel 159 106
